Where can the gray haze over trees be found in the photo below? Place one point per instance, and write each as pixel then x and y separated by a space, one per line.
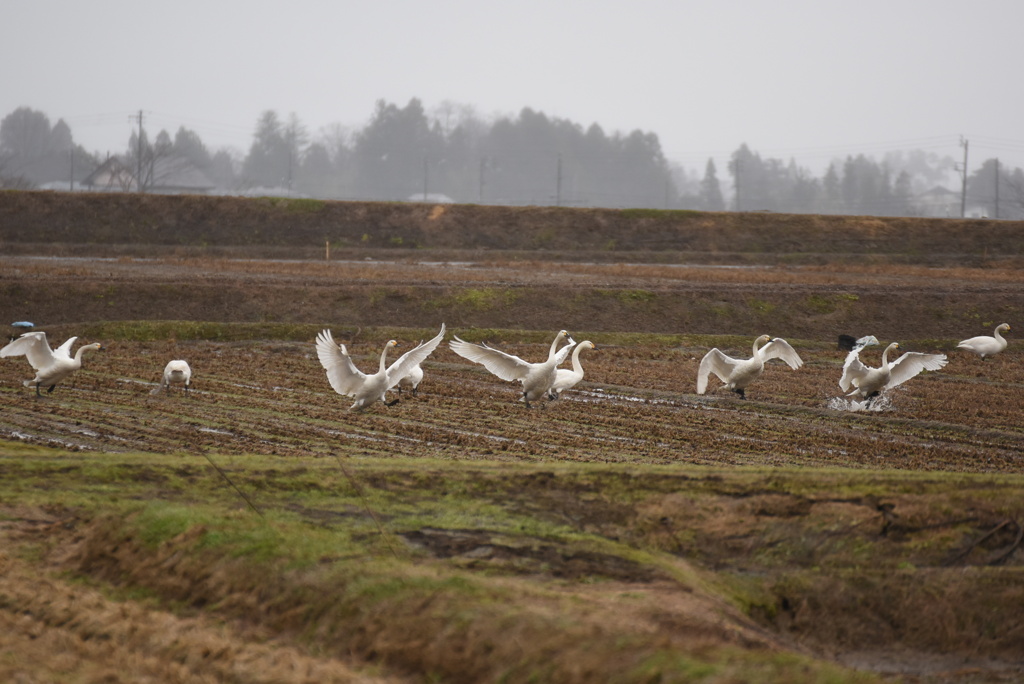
pixel 452 154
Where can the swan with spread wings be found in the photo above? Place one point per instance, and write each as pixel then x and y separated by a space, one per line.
pixel 366 389
pixel 536 378
pixel 52 365
pixel 738 374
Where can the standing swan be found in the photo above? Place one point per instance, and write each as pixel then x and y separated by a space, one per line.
pixel 346 379
pixel 537 378
pixel 985 346
pixel 868 383
pixel 737 374
pixel 567 379
pixel 52 365
pixel 175 372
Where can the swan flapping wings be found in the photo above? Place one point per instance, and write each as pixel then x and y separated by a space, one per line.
pixel 738 374
pixel 536 378
pixel 51 365
pixel 864 381
pixel 348 380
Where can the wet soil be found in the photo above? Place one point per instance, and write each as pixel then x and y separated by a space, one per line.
pixel 637 405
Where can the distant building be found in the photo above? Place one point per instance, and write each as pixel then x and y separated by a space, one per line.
pixel 938 203
pixel 167 176
pixel 431 197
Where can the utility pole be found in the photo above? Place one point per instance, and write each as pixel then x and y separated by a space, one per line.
pixel 483 164
pixel 426 178
pixel 997 189
pixel 558 183
pixel 739 164
pixel 963 189
pixel 72 153
pixel 138 153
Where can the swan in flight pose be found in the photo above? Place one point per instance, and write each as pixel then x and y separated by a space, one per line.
pixel 985 346
pixel 412 380
pixel 52 365
pixel 868 383
pixel 346 379
pixel 176 372
pixel 537 378
pixel 737 374
pixel 567 379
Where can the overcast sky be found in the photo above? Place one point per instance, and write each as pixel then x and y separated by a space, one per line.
pixel 808 80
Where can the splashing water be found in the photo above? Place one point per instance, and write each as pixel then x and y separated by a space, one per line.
pixel 880 403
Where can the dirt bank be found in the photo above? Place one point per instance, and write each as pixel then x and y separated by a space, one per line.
pixel 302 228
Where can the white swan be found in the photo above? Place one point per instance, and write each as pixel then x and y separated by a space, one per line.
pixel 346 379
pixel 867 382
pixel 985 346
pixel 176 372
pixel 567 379
pixel 52 365
pixel 536 378
pixel 412 380
pixel 737 374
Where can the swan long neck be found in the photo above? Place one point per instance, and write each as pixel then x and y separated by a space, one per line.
pixel 996 335
pixel 82 350
pixel 384 357
pixel 885 355
pixel 554 346
pixel 576 367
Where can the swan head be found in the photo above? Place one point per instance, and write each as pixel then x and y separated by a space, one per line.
pixel 588 344
pixel 564 333
pixel 763 338
pixel 1005 327
pixel 391 343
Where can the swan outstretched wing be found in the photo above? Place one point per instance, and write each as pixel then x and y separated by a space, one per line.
pixel 853 370
pixel 912 363
pixel 780 349
pixel 343 375
pixel 562 354
pixel 718 363
pixel 413 358
pixel 34 347
pixel 505 366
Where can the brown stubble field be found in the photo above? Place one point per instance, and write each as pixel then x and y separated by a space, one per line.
pixel 637 402
pixel 247 328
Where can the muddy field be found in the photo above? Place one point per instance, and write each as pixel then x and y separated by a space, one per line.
pixel 637 403
pixel 828 510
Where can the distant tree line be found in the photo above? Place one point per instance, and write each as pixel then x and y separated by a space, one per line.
pixel 406 153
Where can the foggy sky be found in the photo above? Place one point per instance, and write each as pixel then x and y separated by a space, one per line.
pixel 809 80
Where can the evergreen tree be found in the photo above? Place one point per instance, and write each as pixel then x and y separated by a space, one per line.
pixel 25 134
pixel 394 152
pixel 903 195
pixel 188 145
pixel 831 192
pixel 710 192
pixel 268 159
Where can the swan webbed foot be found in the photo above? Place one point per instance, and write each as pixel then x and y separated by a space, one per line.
pixel 391 403
pixel 49 389
pixel 740 391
